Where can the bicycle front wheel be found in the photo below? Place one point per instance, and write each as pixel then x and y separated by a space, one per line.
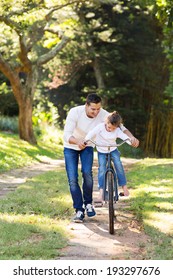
pixel 110 187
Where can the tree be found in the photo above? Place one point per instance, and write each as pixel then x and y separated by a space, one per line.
pixel 159 136
pixel 120 56
pixel 32 34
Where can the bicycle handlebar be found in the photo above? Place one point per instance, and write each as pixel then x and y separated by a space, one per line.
pixel 115 145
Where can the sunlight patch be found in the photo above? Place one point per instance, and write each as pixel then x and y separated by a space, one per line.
pixel 164 205
pixel 162 221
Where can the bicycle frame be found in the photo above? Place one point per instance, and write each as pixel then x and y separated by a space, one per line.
pixel 111 185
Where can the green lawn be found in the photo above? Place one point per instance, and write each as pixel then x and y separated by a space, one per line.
pixel 33 218
pixel 16 153
pixel 152 202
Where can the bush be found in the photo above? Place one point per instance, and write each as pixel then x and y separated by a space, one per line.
pixel 50 134
pixel 9 124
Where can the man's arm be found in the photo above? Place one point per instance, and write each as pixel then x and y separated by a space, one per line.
pixel 70 125
pixel 79 142
pixel 69 128
pixel 134 141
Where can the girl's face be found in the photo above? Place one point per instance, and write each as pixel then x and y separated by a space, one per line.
pixel 110 127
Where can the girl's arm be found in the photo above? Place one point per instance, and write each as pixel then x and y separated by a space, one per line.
pixel 92 133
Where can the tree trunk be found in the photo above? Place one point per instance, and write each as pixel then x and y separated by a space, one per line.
pixel 25 121
pixel 23 93
pixel 98 74
pixel 99 79
pixel 24 96
pixel 159 136
pixel 25 125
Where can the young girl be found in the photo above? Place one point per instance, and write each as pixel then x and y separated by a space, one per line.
pixel 106 134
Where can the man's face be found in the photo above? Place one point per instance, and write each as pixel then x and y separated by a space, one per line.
pixel 92 110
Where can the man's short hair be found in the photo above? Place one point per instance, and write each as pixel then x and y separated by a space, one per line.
pixel 93 98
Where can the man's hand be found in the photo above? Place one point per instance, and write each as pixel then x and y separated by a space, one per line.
pixel 81 144
pixel 135 142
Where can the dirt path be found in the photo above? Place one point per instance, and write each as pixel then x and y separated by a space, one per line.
pixel 91 240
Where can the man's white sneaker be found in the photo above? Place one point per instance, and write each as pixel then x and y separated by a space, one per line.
pixel 90 210
pixel 79 217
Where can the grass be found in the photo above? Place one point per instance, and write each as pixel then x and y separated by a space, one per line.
pixel 152 202
pixel 33 219
pixel 15 153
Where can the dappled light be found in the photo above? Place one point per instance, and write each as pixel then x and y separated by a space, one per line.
pixel 152 198
pixel 26 236
pixel 15 153
pixel 37 213
pixel 52 54
pixel 161 221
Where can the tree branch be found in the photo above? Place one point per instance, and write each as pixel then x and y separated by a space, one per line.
pixel 52 53
pixel 23 55
pixel 11 24
pixel 59 33
pixel 58 7
pixel 12 76
pixel 6 69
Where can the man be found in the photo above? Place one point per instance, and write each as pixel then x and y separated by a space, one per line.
pixel 80 120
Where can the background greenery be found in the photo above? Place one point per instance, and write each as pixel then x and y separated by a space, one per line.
pixel 120 49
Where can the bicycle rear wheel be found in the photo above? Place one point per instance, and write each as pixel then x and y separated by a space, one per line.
pixel 110 187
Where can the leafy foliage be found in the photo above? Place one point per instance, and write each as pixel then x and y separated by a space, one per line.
pixel 120 49
pixel 129 65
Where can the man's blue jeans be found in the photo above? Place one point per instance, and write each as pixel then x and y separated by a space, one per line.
pixel 115 156
pixel 71 162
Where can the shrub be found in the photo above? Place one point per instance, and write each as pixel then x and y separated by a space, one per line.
pixel 9 124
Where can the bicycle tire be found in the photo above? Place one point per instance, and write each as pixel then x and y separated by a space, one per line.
pixel 116 188
pixel 110 187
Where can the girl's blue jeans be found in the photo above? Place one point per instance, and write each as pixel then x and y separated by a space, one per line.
pixel 115 156
pixel 71 162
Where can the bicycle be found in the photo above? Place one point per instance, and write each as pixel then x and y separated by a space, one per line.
pixel 110 190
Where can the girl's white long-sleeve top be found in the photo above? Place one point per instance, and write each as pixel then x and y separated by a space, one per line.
pixel 78 124
pixel 103 137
